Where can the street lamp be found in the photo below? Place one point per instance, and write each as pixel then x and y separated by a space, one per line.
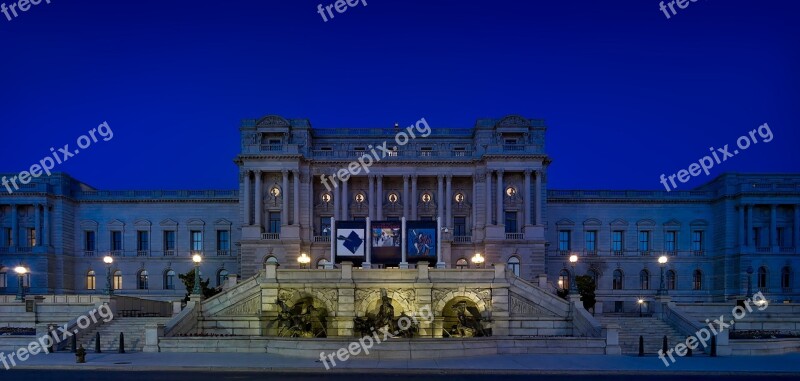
pixel 640 302
pixel 108 260
pixel 662 261
pixel 478 260
pixel 304 260
pixel 197 258
pixel 573 260
pixel 21 271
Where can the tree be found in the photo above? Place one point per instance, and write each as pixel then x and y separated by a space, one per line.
pixel 188 281
pixel 586 288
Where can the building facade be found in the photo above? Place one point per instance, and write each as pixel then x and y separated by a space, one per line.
pixel 487 185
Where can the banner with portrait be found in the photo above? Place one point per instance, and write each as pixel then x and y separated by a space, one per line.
pixel 386 240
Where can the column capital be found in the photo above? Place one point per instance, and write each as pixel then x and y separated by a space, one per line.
pixel 440 177
pixel 527 171
pixel 449 177
pixel 500 171
pixel 414 177
pixel 405 177
pixel 285 172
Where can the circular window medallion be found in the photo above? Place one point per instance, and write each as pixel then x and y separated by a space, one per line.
pixel 459 197
pixel 275 191
pixel 393 197
pixel 426 197
pixel 360 197
pixel 326 197
pixel 511 191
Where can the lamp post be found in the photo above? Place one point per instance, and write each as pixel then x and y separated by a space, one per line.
pixel 197 258
pixel 749 280
pixel 478 260
pixel 304 260
pixel 573 260
pixel 108 260
pixel 662 261
pixel 21 271
pixel 640 302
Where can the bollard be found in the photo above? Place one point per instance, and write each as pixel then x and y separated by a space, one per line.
pixel 121 342
pixel 80 355
pixel 641 346
pixel 665 344
pixel 713 346
pixel 97 343
pixel 688 348
pixel 73 348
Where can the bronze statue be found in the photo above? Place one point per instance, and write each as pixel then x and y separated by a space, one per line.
pixel 301 320
pixel 469 322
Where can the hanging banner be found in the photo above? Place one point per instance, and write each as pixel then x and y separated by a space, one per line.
pixel 350 240
pixel 422 239
pixel 386 242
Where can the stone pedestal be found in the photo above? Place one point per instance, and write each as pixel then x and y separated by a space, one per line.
pixel 151 334
pixel 611 333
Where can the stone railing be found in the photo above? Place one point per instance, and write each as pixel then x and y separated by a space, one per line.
pixel 183 322
pixel 583 322
pixel 545 299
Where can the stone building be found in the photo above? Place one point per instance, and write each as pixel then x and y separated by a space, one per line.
pixel 487 185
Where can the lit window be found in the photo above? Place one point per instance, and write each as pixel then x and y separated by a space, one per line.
pixel 90 280
pixel 462 264
pixel 118 280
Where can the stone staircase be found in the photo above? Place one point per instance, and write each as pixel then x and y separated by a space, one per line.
pixel 652 329
pixel 132 327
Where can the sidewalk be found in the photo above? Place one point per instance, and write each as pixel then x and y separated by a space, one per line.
pixel 486 364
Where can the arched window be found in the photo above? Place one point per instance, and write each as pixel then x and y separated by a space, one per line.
pixel 321 263
pixel 118 280
pixel 513 265
pixel 222 277
pixel 618 280
pixel 169 280
pixel 697 280
pixel 563 279
pixel 4 277
pixel 644 280
pixel 90 280
pixel 593 274
pixel 142 280
pixel 462 264
pixel 271 259
pixel 786 278
pixel 671 279
pixel 762 277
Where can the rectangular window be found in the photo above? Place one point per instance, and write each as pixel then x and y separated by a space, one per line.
pixel 169 240
pixel 274 222
pixel 669 241
pixel 781 237
pixel 459 152
pixel 197 240
pixel 644 241
pixel 223 240
pixel 324 226
pixel 426 151
pixel 697 241
pixel 8 236
pixel 591 241
pixel 142 240
pixel 616 241
pixel 116 240
pixel 511 222
pixel 89 241
pixel 459 226
pixel 564 240
pixel 31 237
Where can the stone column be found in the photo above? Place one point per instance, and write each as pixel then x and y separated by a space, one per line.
pixel 773 227
pixel 474 217
pixel 796 227
pixel 499 197
pixel 336 202
pixel 440 197
pixel 37 223
pixel 742 242
pixel 750 239
pixel 14 233
pixel 345 201
pixel 449 204
pixel 296 198
pixel 285 198
pixel 488 202
pixel 526 197
pixel 258 199
pixel 246 197
pixel 46 230
pixel 413 202
pixel 405 195
pixel 538 198
pixel 371 197
pixel 379 199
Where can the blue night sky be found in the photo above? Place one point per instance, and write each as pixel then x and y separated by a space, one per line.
pixel 627 94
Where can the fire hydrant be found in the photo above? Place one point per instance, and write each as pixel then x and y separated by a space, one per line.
pixel 80 355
